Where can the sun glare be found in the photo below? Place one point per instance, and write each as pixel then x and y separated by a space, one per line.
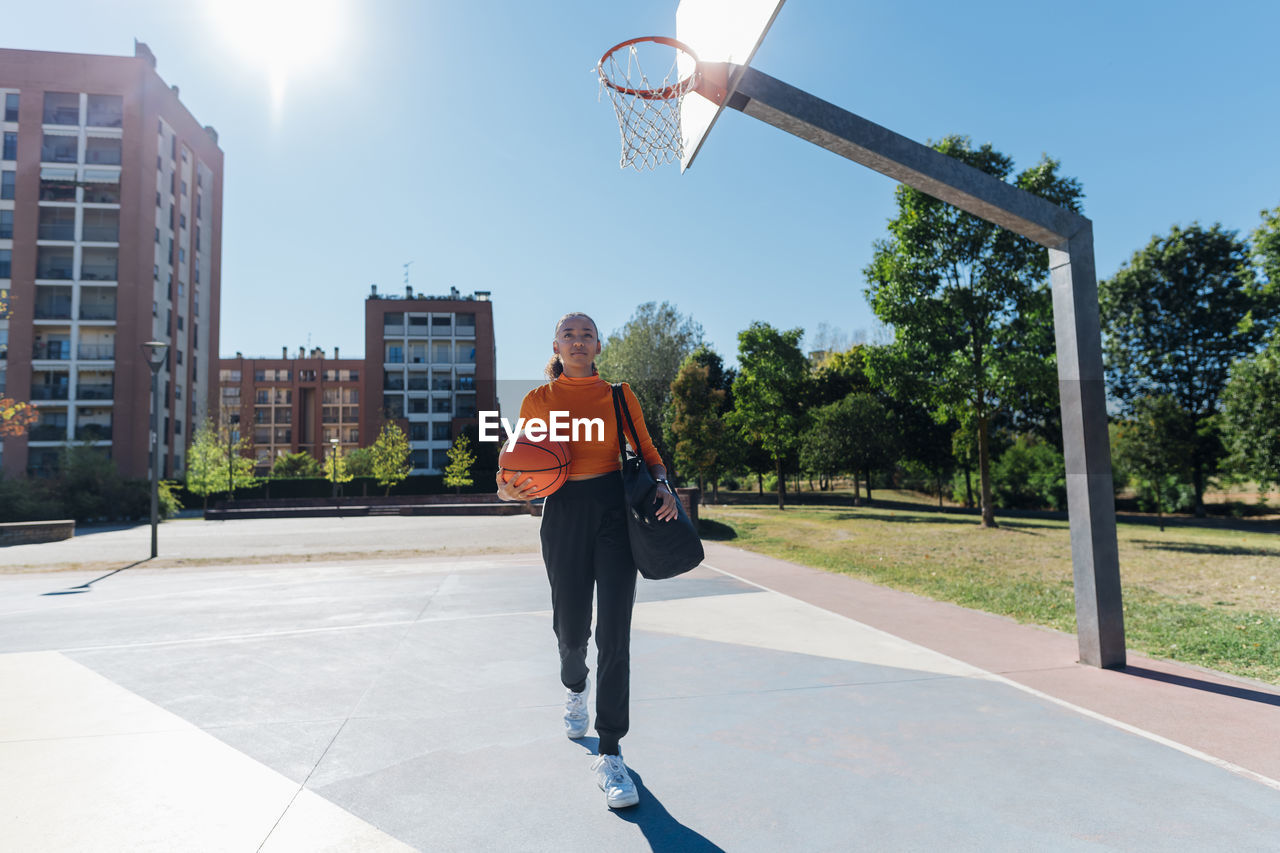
pixel 283 39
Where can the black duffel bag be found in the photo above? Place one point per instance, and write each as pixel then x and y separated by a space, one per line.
pixel 661 549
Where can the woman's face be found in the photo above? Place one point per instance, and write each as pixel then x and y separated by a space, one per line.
pixel 577 344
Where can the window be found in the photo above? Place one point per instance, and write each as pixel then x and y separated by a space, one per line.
pixel 418 405
pixel 102 150
pixel 182 220
pixel 179 352
pixel 10 146
pixel 440 324
pixel 56 262
pixel 306 376
pixel 184 187
pixel 229 376
pixel 180 329
pixel 158 204
pixel 7 182
pixel 101 187
pixel 59 148
pixel 393 381
pixel 105 111
pixel 395 354
pixel 182 255
pixel 6 262
pixel 393 405
pixel 6 225
pixel 11 107
pixel 101 226
pixel 350 395
pixel 440 405
pixel 99 264
pixel 418 432
pixel 61 108
pixel 440 431
pixel 56 223
pixel 177 392
pixel 157 235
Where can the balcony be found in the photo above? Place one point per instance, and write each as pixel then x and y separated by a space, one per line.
pixel 55 262
pixel 95 391
pixel 61 108
pixel 96 352
pixel 52 351
pixel 48 432
pixel 97 312
pixel 59 149
pixel 49 392
pixel 54 310
pixel 98 265
pixel 93 432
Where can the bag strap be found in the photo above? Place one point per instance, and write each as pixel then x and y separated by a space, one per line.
pixel 619 407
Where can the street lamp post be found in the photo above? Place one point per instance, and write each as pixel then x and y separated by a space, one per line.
pixel 156 351
pixel 333 465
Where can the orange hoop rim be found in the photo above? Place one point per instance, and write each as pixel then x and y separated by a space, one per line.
pixel 666 93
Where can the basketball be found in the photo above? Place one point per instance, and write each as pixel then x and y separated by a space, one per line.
pixel 547 462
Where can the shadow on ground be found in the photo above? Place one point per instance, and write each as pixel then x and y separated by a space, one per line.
pixel 87 586
pixel 1207 548
pixel 1207 686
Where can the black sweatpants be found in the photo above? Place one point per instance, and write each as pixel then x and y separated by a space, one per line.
pixel 584 544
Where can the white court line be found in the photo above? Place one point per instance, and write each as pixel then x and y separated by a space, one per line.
pixel 1102 718
pixel 232 638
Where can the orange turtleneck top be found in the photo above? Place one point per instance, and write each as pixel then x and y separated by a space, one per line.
pixel 591 397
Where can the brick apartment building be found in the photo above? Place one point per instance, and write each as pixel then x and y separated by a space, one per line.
pixel 110 235
pixel 284 405
pixel 429 365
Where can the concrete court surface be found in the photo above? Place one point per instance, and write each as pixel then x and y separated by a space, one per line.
pixel 412 703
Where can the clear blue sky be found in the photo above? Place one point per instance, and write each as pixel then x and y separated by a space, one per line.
pixel 467 138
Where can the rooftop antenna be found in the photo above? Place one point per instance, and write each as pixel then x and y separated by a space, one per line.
pixel 406 273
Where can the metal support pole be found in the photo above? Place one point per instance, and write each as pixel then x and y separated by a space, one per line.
pixel 1091 507
pixel 155 458
pixel 1069 238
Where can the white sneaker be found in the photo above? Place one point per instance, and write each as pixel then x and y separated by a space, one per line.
pixel 615 781
pixel 575 712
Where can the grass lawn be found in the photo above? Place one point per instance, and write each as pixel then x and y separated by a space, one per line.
pixel 1206 595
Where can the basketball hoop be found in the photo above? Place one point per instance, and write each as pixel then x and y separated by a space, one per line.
pixel 648 111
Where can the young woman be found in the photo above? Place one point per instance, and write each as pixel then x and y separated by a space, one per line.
pixel 584 544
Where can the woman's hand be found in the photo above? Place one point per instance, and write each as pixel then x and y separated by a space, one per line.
pixel 666 512
pixel 512 488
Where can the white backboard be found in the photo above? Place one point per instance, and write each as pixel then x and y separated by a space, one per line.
pixel 718 31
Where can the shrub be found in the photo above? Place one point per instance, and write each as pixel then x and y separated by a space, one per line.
pixel 1030 474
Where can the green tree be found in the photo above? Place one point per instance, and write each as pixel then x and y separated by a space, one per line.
pixel 1030 474
pixel 1251 414
pixel 391 456
pixel 770 394
pixel 646 354
pixel 694 424
pixel 296 466
pixel 360 462
pixel 1176 316
pixel 205 458
pixel 1266 249
pixel 461 458
pixel 336 470
pixel 1155 445
pixel 969 304
pixel 216 463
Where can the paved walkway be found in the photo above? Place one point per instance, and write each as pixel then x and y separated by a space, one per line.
pixel 412 703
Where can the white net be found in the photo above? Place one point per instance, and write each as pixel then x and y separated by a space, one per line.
pixel 648 109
